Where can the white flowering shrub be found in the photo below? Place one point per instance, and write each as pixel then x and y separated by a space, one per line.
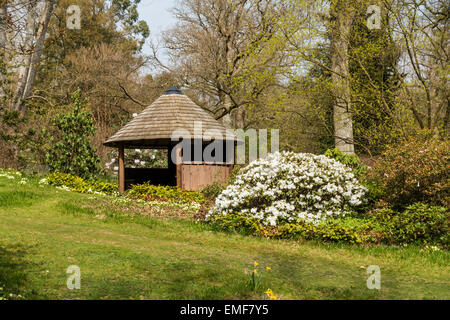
pixel 288 186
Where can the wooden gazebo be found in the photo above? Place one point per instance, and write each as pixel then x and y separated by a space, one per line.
pixel 175 115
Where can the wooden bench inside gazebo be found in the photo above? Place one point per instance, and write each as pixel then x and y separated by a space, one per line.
pixel 171 119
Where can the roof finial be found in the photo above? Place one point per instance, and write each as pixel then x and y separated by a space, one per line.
pixel 173 90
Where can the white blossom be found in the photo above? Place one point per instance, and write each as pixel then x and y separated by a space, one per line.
pixel 290 186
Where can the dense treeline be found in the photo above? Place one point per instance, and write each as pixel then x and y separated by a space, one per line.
pixel 326 73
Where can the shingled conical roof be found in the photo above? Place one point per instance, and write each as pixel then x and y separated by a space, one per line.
pixel 154 126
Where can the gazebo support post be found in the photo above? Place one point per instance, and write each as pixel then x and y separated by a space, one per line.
pixel 178 170
pixel 121 169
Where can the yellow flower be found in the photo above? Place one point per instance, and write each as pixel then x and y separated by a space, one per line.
pixel 268 268
pixel 272 297
pixel 255 271
pixel 269 292
pixel 255 264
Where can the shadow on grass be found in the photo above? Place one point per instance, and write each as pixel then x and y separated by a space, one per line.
pixel 13 273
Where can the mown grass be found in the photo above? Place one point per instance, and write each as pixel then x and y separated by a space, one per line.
pixel 124 254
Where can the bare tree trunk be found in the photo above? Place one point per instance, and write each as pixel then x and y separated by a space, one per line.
pixel 25 59
pixel 227 121
pixel 35 59
pixel 446 119
pixel 3 11
pixel 240 118
pixel 228 33
pixel 342 15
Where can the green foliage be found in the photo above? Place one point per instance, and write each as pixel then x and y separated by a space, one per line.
pixel 420 222
pixel 237 222
pixel 73 152
pixel 64 179
pixel 373 83
pixel 416 171
pixel 213 190
pixel 374 191
pixel 148 191
pixel 145 191
pixel 373 195
pixel 348 229
pixel 10 122
pixel 350 160
pixel 334 230
pixel 78 184
pixel 125 31
pixel 104 187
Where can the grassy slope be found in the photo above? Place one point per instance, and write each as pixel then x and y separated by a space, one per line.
pixel 44 230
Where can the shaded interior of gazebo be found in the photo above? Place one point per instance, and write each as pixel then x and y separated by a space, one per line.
pixel 171 119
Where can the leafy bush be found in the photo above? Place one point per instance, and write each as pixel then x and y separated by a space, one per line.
pixel 142 191
pixel 414 172
pixel 104 187
pixel 373 195
pixel 286 187
pixel 350 160
pixel 374 191
pixel 332 230
pixel 420 222
pixel 73 153
pixel 213 190
pixel 148 191
pixel 77 184
pixel 65 179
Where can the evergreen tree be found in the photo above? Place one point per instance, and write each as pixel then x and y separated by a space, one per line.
pixel 73 153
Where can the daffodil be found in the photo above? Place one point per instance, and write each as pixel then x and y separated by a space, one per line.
pixel 268 268
pixel 272 297
pixel 255 264
pixel 255 271
pixel 269 292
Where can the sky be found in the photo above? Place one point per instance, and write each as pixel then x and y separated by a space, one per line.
pixel 156 14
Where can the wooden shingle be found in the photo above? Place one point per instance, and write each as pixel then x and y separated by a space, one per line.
pixel 171 112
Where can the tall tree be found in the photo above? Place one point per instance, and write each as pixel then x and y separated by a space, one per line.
pixel 421 30
pixel 342 14
pixel 24 57
pixel 229 51
pixel 31 50
pixel 374 85
pixel 36 57
pixel 3 28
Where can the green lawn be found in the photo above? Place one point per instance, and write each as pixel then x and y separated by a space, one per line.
pixel 127 253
